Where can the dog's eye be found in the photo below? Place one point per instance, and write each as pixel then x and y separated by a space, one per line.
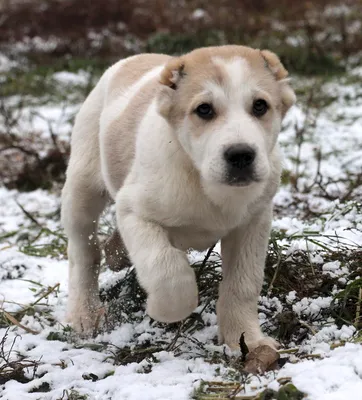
pixel 260 107
pixel 205 111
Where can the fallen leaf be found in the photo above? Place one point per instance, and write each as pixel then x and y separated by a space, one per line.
pixel 260 359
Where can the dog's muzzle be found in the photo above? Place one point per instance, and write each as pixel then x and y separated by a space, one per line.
pixel 240 164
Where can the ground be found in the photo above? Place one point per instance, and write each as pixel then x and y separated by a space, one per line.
pixel 311 300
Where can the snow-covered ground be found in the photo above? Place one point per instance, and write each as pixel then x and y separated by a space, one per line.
pixel 318 212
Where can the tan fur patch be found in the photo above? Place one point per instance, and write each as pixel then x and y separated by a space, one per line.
pixel 132 71
pixel 197 67
pixel 200 60
pixel 120 151
pixel 273 62
pixel 172 73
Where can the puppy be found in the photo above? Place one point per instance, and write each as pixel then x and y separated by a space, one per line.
pixel 187 148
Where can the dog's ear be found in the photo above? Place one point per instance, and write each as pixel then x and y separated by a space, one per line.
pixel 273 63
pixel 173 73
pixel 170 78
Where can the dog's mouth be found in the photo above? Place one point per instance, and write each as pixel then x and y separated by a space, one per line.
pixel 240 183
pixel 240 178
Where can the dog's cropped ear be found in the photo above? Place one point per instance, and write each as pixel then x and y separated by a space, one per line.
pixel 170 78
pixel 273 63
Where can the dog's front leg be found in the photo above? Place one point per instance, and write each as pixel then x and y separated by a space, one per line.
pixel 243 253
pixel 163 271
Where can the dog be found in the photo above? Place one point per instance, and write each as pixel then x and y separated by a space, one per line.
pixel 187 148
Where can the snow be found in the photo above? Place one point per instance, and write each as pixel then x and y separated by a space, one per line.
pixel 305 220
pixel 42 120
pixel 198 14
pixel 170 378
pixel 6 63
pixel 312 307
pixel 336 377
pixel 65 77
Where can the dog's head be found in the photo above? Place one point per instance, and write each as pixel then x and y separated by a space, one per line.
pixel 226 105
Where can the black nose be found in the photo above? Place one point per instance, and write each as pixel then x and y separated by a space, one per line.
pixel 240 156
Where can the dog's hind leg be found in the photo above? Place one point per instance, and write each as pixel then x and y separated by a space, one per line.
pixel 81 208
pixel 116 253
pixel 83 199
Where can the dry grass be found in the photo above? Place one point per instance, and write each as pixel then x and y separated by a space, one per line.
pixel 14 369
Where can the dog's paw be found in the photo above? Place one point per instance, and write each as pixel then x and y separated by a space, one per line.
pixel 175 298
pixel 86 320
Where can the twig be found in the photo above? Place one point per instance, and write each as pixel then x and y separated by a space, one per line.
pixel 358 308
pixel 310 356
pixel 288 351
pixel 205 260
pixel 277 265
pixel 313 331
pixel 233 394
pixel 46 294
pixel 22 149
pixel 336 345
pixel 27 214
pixel 171 346
pixel 17 323
pixel 34 220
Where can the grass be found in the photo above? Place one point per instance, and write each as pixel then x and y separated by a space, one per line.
pixel 73 395
pixel 35 79
pixel 225 391
pixel 14 370
pixel 283 271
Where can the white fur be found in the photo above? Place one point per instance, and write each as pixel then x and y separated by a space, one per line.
pixel 172 199
pixel 239 127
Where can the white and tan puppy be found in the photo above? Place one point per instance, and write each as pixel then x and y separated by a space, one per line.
pixel 186 147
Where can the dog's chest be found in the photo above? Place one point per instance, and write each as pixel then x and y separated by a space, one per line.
pixel 191 219
pixel 186 237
